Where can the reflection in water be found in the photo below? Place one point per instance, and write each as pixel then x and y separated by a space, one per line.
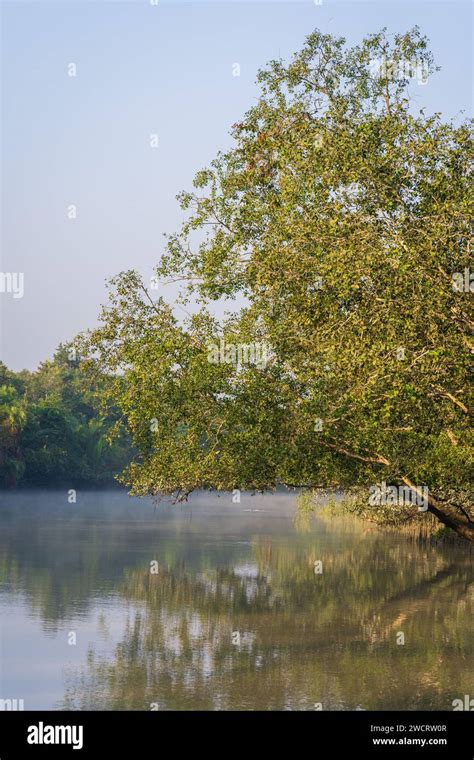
pixel 237 617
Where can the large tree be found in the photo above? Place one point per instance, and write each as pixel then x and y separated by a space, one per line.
pixel 339 221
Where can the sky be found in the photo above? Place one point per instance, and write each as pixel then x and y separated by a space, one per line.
pixel 144 69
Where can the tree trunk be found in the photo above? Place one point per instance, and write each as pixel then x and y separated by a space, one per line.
pixel 451 516
pixel 453 519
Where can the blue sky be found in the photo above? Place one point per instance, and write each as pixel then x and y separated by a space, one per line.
pixel 144 69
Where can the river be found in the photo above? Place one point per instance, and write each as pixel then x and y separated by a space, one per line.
pixel 117 603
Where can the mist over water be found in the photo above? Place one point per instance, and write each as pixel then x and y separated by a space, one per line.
pixel 236 617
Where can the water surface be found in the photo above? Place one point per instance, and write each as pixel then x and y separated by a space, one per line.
pixel 236 618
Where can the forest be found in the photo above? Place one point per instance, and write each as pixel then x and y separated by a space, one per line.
pixel 52 427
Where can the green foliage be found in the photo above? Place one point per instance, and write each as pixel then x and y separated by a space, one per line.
pixel 340 216
pixel 53 430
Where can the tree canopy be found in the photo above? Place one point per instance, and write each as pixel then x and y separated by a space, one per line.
pixel 339 224
pixel 52 428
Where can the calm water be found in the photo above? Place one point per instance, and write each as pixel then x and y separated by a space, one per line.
pixel 235 618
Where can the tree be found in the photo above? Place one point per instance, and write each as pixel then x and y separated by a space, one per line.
pixel 12 419
pixel 52 428
pixel 340 222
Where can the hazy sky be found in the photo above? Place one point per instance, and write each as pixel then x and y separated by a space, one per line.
pixel 144 69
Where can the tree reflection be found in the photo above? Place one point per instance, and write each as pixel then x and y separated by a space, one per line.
pixel 303 638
